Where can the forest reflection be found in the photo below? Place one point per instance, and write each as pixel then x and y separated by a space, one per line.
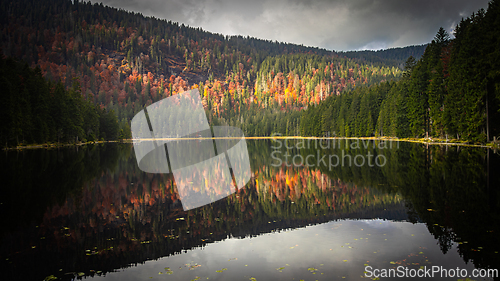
pixel 93 211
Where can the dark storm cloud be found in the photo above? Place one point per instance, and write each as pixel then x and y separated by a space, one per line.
pixel 330 24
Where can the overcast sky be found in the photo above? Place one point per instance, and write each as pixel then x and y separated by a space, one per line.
pixel 330 24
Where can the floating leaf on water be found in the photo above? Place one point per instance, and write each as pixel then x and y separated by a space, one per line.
pixel 221 270
pixel 312 269
pixel 168 270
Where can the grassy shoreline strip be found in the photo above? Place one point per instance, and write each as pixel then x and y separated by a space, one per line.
pixel 412 140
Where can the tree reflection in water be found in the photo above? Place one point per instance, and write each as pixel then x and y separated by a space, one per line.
pixel 92 210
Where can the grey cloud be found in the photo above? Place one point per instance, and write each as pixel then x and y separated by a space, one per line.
pixel 330 24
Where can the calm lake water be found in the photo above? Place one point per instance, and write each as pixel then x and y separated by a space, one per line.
pixel 311 211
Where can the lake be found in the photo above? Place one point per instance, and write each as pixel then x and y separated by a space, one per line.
pixel 312 210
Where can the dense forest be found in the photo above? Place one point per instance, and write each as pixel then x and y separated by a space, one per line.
pixel 39 111
pixel 452 91
pixel 125 61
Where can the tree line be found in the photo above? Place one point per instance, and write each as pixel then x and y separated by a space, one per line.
pixel 39 111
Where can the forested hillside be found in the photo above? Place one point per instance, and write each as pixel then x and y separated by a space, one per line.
pixel 452 92
pixel 125 61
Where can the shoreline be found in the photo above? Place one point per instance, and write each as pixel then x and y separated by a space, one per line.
pixel 59 145
pixel 427 141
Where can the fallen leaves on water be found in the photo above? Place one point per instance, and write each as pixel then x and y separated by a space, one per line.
pixel 192 266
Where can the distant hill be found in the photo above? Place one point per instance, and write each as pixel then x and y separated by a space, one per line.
pixel 392 56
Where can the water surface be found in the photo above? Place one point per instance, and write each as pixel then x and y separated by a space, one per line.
pixel 89 212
